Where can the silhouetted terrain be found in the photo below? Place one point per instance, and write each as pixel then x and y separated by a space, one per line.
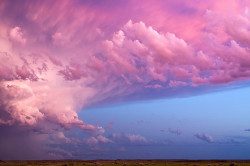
pixel 128 163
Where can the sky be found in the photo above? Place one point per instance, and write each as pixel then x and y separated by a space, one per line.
pixel 124 79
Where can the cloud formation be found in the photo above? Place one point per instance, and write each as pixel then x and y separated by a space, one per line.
pixel 56 58
pixel 204 137
pixel 134 139
pixel 176 132
pixel 96 140
pixel 16 35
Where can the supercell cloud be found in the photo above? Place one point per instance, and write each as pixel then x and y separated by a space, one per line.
pixel 57 57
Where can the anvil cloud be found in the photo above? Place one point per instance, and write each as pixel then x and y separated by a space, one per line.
pixel 57 57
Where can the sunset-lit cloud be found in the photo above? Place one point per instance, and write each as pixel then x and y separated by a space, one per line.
pixel 204 137
pixel 59 57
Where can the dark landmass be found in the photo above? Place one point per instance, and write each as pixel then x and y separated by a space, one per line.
pixel 127 163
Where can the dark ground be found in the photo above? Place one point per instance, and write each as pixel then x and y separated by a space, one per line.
pixel 128 163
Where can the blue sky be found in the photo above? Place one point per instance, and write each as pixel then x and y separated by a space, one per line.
pixel 222 115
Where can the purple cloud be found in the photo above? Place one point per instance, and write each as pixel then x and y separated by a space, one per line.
pixel 204 137
pixel 83 63
pixel 176 132
pixel 96 140
pixel 16 35
pixel 52 68
pixel 134 139
pixel 110 125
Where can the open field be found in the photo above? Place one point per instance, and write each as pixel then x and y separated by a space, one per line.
pixel 129 163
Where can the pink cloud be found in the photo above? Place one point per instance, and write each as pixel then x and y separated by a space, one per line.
pixel 136 139
pixel 153 86
pixel 131 57
pixel 58 58
pixel 129 138
pixel 177 83
pixel 110 125
pixel 16 35
pixel 92 141
pixel 204 137
pixel 59 137
pixel 58 38
pixel 74 72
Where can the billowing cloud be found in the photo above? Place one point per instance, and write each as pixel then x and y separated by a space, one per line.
pixel 204 137
pixel 16 35
pixel 134 139
pixel 56 58
pixel 96 140
pixel 59 137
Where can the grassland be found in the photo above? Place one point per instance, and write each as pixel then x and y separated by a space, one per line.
pixel 128 163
